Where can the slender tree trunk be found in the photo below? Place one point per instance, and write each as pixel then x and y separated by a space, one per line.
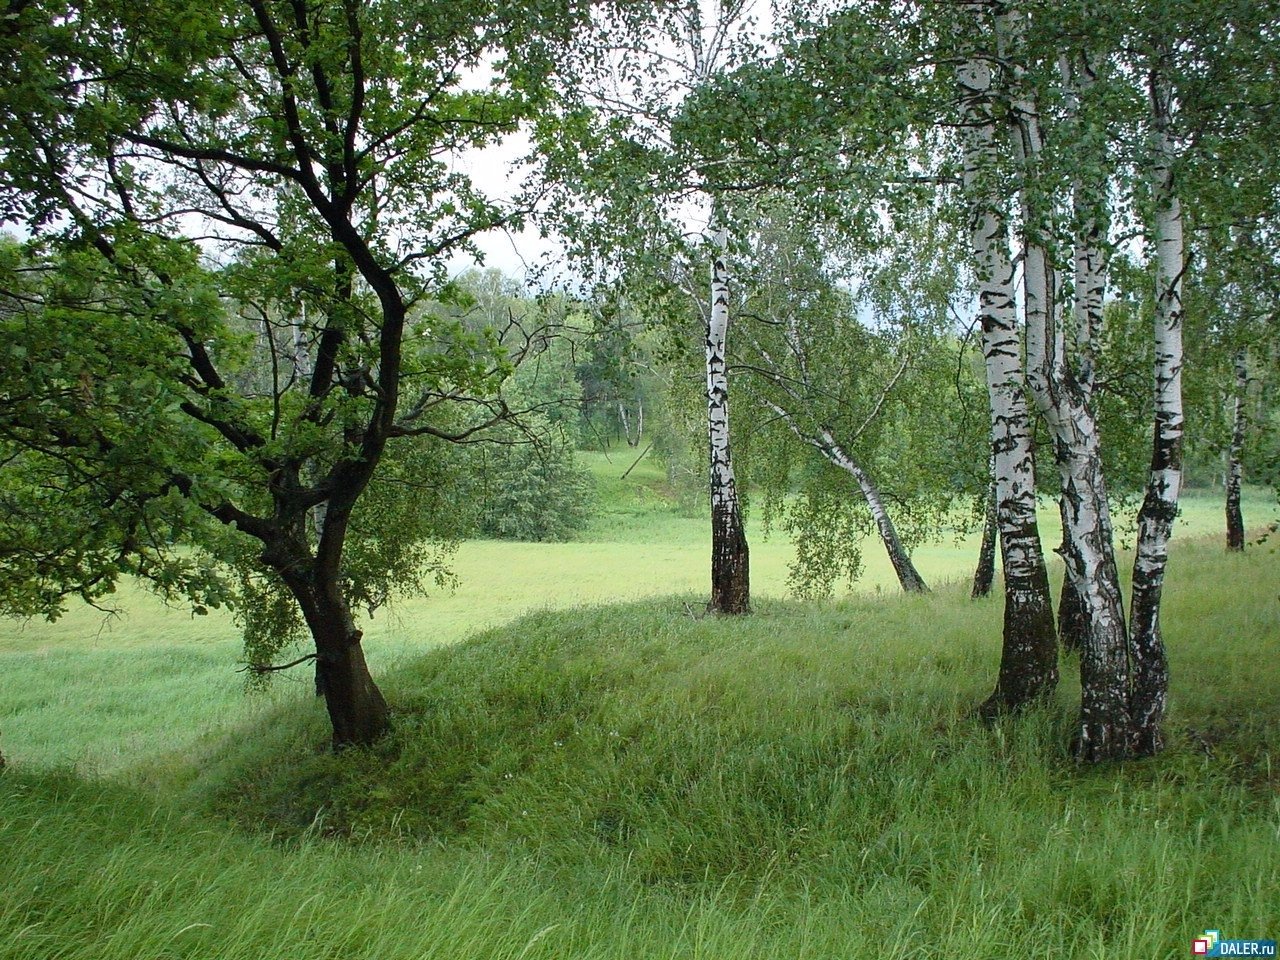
pixel 1095 580
pixel 825 443
pixel 622 419
pixel 984 574
pixel 1160 504
pixel 1235 518
pixel 1078 76
pixel 1029 656
pixel 1073 614
pixel 908 577
pixel 730 566
pixel 632 440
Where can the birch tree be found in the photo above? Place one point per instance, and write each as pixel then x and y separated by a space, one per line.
pixel 1235 455
pixel 730 570
pixel 836 367
pixel 1062 394
pixel 1160 504
pixel 1029 658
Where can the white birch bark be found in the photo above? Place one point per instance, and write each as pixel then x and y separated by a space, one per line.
pixel 633 440
pixel 1164 485
pixel 1088 208
pixel 908 576
pixel 1028 668
pixel 1104 728
pixel 825 443
pixel 730 583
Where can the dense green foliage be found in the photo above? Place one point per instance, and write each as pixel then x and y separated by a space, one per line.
pixel 216 333
pixel 532 489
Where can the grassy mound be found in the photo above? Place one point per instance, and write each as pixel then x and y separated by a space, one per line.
pixel 807 746
pixel 702 747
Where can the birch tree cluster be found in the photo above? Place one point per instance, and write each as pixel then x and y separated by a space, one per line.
pixel 1065 180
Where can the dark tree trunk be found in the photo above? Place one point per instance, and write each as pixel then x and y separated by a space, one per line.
pixel 730 561
pixel 1235 518
pixel 356 706
pixel 984 575
pixel 1029 655
pixel 1073 617
pixel 357 710
pixel 1073 610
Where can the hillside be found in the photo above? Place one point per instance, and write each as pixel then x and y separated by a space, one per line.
pixel 633 781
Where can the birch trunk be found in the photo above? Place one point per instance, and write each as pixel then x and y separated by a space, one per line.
pixel 1090 271
pixel 1104 726
pixel 632 440
pixel 730 570
pixel 1160 504
pixel 1029 656
pixel 908 577
pixel 1235 457
pixel 984 574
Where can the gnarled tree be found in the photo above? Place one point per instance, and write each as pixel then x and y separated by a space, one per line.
pixel 188 166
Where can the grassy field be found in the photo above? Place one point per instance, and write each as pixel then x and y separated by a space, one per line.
pixel 106 693
pixel 581 780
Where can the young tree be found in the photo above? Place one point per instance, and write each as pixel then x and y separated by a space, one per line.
pixel 846 371
pixel 1160 504
pixel 628 174
pixel 984 574
pixel 730 563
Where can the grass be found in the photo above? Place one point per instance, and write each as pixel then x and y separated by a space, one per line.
pixel 629 781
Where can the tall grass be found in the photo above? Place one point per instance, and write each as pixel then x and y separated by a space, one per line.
pixel 632 781
pixel 635 781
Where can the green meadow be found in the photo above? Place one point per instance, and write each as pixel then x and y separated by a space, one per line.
pixel 583 765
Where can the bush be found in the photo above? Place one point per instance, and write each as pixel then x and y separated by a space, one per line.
pixel 533 490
